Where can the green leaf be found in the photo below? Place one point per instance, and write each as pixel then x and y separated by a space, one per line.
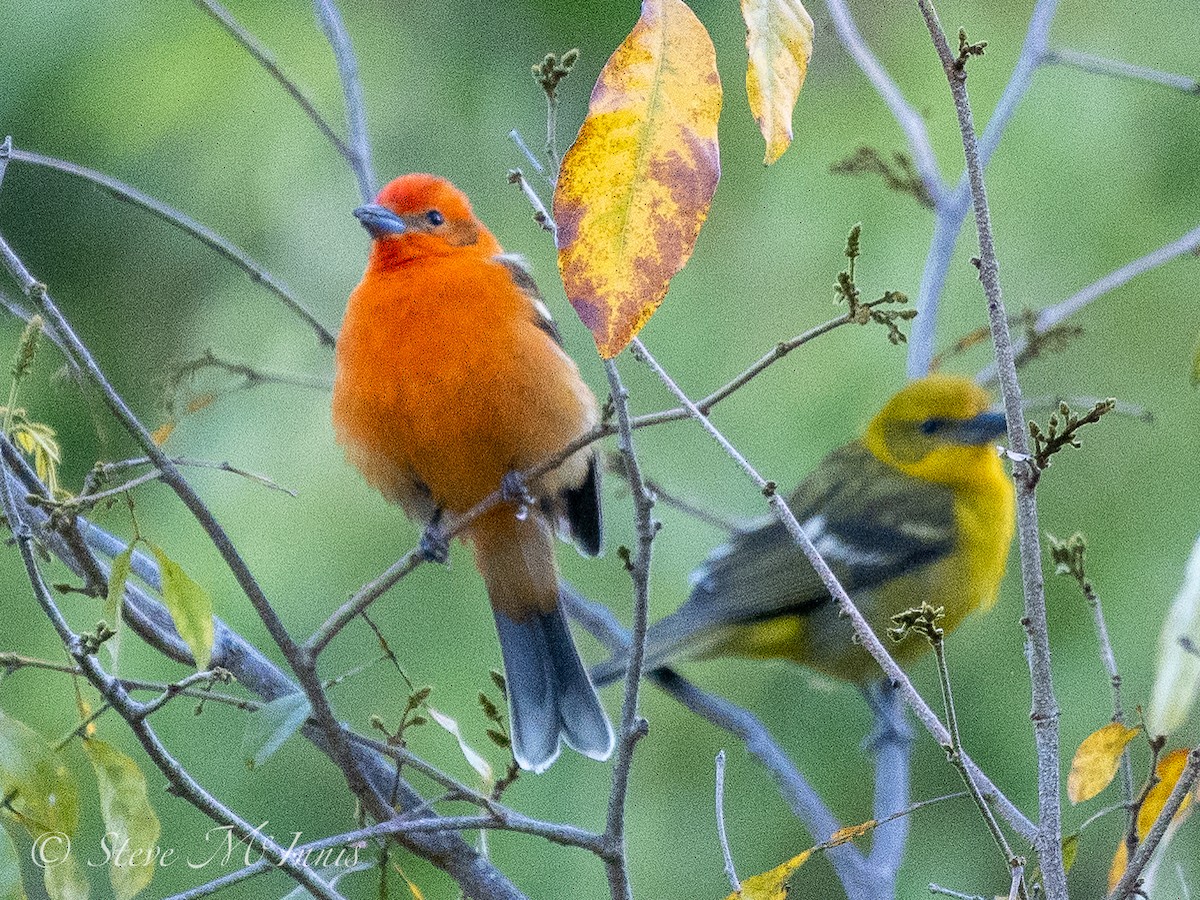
pixel 11 887
pixel 1070 850
pixel 64 880
pixel 1196 364
pixel 190 608
pixel 273 724
pixel 45 796
pixel 130 823
pixel 117 576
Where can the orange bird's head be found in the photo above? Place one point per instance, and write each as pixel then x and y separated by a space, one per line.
pixel 423 215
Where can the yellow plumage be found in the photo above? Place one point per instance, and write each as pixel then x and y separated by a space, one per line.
pixel 919 509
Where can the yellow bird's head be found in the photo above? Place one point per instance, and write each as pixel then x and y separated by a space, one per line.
pixel 941 429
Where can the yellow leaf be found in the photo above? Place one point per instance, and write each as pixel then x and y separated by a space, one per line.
pixel 1117 869
pixel 117 576
pixel 636 185
pixel 1168 770
pixel 779 42
pixel 850 832
pixel 190 608
pixel 162 432
pixel 131 826
pixel 1097 759
pixel 199 402
pixel 771 885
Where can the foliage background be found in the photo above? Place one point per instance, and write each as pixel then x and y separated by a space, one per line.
pixel 1092 173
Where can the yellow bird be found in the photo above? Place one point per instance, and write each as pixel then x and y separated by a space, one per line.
pixel 919 508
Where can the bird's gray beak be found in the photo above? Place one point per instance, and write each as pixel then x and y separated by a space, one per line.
pixel 985 427
pixel 379 220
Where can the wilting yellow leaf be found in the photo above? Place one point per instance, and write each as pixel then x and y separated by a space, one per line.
pixel 779 42
pixel 1097 759
pixel 1168 770
pixel 770 885
pixel 850 832
pixel 636 185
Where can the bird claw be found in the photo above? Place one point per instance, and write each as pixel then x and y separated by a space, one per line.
pixel 435 546
pixel 513 489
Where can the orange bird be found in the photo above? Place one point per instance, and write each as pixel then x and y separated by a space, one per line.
pixel 451 378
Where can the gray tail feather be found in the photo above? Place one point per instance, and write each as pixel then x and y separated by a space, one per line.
pixel 549 693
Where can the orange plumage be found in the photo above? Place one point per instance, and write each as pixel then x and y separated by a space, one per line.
pixel 450 377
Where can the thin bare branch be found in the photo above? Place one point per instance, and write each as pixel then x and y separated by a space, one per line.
pixel 1187 781
pixel 264 58
pixel 1100 65
pixel 1045 710
pixel 330 20
pixel 730 871
pixel 186 224
pixel 633 726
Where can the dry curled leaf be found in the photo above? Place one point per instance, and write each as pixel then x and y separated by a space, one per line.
pixel 779 43
pixel 636 185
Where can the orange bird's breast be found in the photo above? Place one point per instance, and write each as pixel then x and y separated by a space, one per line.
pixel 445 382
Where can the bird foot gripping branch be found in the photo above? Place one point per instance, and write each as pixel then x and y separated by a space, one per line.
pixel 450 381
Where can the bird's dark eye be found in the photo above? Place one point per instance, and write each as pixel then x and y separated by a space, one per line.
pixel 931 426
pixel 433 217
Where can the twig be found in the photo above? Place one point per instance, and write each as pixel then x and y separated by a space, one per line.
pixel 1052 315
pixel 892 743
pixel 102 471
pixel 264 58
pixel 950 216
pixel 151 621
pixel 909 120
pixel 186 224
pixel 540 215
pixel 1068 557
pixel 538 166
pixel 1116 68
pixel 730 871
pixel 925 622
pixel 133 712
pixel 1045 711
pixel 331 24
pixel 668 498
pixel 303 664
pixel 1187 781
pixel 633 726
pixel 958 895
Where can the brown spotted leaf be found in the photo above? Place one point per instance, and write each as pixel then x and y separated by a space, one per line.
pixel 779 42
pixel 636 185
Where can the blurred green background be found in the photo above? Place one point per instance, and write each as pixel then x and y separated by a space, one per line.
pixel 1093 172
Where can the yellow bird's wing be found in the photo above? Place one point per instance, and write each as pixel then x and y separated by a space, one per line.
pixel 870 522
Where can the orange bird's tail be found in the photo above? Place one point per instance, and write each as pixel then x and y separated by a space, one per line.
pixel 550 696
